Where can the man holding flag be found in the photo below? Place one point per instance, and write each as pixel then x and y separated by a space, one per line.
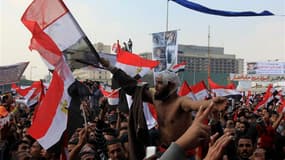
pixel 173 111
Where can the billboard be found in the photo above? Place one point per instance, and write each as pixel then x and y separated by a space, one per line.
pixel 268 68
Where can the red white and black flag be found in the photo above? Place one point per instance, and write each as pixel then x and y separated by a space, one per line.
pixel 133 64
pixel 178 67
pixel 54 31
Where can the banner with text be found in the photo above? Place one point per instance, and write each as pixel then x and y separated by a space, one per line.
pixel 257 77
pixel 266 68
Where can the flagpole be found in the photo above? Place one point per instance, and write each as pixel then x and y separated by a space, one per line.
pixel 167 14
pixel 209 57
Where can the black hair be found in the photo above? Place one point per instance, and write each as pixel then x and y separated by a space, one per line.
pixel 113 141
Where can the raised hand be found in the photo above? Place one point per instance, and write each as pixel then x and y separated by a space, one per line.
pixel 198 131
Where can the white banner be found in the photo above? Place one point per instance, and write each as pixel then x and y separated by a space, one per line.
pixel 266 68
pixel 257 77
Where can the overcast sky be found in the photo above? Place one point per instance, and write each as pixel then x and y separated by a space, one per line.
pixel 250 38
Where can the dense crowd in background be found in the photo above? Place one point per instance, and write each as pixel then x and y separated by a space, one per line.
pixel 257 135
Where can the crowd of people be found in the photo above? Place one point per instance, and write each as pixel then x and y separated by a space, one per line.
pixel 210 129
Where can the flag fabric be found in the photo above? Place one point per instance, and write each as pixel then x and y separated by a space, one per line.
pixel 200 90
pixel 55 30
pixel 248 98
pixel 133 64
pixel 51 26
pixel 281 108
pixel 219 90
pixel 266 98
pixel 203 9
pixel 178 67
pixel 51 117
pixel 112 96
pixel 32 94
pixel 185 90
pixel 281 102
pixel 150 113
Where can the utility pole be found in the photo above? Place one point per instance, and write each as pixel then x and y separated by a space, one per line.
pixel 209 57
pixel 167 15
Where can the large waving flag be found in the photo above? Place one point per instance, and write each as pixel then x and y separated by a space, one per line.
pixel 219 90
pixel 133 64
pixel 53 31
pixel 203 9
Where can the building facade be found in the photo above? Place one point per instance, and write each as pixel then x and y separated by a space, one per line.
pixel 198 58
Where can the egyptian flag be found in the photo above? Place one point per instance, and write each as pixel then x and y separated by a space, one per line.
pixel 281 108
pixel 200 90
pixel 53 31
pixel 53 25
pixel 133 64
pixel 185 90
pixel 178 67
pixel 30 95
pixel 112 96
pixel 248 98
pixel 219 90
pixel 266 98
pixel 149 110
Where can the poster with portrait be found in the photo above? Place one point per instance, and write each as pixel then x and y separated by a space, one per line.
pixel 165 49
pixel 266 68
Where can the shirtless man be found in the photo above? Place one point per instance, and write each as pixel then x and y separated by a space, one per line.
pixel 173 111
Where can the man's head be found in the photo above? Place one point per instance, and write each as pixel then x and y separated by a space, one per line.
pixel 36 150
pixel 115 150
pixel 23 146
pixel 166 84
pixel 244 147
pixel 87 152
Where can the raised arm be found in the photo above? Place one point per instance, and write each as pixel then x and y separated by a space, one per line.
pixel 127 83
pixel 188 104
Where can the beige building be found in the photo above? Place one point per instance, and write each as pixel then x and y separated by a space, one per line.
pixel 197 59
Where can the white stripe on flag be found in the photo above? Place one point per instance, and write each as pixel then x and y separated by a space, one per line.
pixel 64 32
pixel 201 95
pixel 133 70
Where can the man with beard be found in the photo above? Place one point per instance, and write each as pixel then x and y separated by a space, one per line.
pixel 244 148
pixel 173 111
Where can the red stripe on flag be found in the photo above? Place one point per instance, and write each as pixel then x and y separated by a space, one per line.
pixel 134 60
pixel 47 109
pixel 184 89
